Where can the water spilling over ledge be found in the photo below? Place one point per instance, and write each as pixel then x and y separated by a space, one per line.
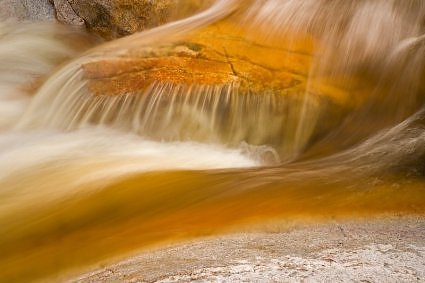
pixel 242 112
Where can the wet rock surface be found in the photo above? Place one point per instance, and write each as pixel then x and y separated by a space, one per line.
pixel 217 54
pixel 221 58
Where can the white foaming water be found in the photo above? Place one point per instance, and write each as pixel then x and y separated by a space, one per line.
pixel 69 184
pixel 40 163
pixel 357 36
pixel 27 53
pixel 63 96
pixel 351 48
pixel 63 104
pixel 67 82
pixel 49 164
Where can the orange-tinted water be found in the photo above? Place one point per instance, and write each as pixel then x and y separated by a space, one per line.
pixel 85 178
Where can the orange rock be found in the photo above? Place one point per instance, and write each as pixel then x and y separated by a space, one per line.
pixel 218 54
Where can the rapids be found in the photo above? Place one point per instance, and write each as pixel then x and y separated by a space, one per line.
pixel 87 177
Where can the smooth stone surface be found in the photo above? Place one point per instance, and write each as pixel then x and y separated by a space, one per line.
pixel 390 249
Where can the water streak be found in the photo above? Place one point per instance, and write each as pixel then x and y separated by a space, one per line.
pixel 178 159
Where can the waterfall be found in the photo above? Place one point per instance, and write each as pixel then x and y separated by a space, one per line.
pixel 248 110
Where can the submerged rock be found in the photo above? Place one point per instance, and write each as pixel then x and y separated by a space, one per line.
pixel 219 54
pixel 219 84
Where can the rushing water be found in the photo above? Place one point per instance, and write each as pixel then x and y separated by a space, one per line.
pixel 85 177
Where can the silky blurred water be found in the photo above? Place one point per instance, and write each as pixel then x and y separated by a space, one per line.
pixel 87 177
